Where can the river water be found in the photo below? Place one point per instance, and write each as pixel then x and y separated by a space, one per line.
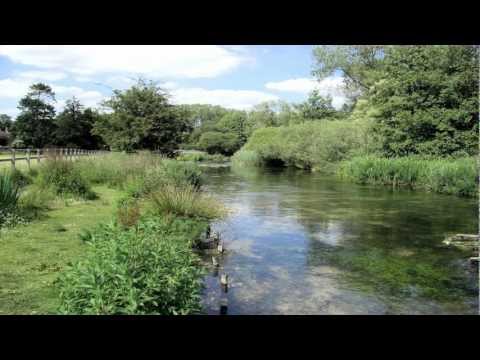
pixel 302 243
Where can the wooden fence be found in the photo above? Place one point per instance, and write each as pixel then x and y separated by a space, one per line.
pixel 13 155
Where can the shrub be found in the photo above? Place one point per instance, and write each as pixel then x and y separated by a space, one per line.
pixel 311 145
pixel 128 212
pixel 64 179
pixel 19 178
pixel 246 158
pixel 33 201
pixel 150 269
pixel 185 201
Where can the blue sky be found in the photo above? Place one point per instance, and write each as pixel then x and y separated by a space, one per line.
pixel 232 76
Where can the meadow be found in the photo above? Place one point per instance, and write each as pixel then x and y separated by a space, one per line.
pixel 111 235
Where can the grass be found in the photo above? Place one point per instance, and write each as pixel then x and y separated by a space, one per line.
pixel 202 156
pixel 185 201
pixel 33 255
pixel 448 176
pixel 47 263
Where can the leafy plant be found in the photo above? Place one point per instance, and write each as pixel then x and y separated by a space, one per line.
pixel 148 270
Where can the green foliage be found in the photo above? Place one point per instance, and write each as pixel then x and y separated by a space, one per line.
pixel 312 145
pixel 35 123
pixel 64 179
pixel 74 127
pixel 246 158
pixel 142 118
pixel 360 65
pixel 449 176
pixel 185 201
pixel 217 142
pixel 128 212
pixel 19 178
pixel 428 102
pixel 199 156
pixel 317 107
pixel 34 201
pixel 9 193
pixel 149 269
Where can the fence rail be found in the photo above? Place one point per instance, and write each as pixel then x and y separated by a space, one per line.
pixel 12 154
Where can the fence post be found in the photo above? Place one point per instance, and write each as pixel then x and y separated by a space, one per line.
pixel 28 159
pixel 38 155
pixel 13 159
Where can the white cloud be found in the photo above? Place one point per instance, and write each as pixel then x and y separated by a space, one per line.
pixel 14 88
pixel 157 61
pixel 235 99
pixel 88 98
pixel 43 75
pixel 300 85
pixel 332 86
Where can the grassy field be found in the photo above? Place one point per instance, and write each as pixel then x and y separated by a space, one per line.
pixel 32 255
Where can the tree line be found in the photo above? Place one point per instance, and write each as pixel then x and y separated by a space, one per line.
pixel 420 99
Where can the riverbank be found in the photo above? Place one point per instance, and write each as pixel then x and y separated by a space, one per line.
pixel 117 238
pixel 348 150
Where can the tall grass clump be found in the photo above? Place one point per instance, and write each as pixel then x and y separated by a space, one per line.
pixel 246 158
pixel 201 156
pixel 9 195
pixel 149 269
pixel 64 178
pixel 448 176
pixel 185 201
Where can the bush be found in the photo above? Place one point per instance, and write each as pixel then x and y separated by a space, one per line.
pixel 33 201
pixel 128 212
pixel 150 269
pixel 64 179
pixel 246 158
pixel 448 176
pixel 311 145
pixel 215 142
pixel 185 201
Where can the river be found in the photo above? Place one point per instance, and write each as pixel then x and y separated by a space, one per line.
pixel 304 243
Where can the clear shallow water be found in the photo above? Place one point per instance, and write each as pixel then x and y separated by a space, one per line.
pixel 302 243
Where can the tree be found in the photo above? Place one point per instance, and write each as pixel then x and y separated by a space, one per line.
pixel 234 122
pixel 142 118
pixel 360 65
pixel 74 126
pixel 5 122
pixel 215 142
pixel 202 118
pixel 35 123
pixel 262 115
pixel 317 107
pixel 428 103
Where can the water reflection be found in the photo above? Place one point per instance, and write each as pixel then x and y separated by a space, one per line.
pixel 301 243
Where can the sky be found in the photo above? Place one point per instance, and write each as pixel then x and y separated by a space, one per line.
pixel 237 77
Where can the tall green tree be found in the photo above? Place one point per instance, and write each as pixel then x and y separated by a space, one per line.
pixel 35 124
pixel 5 122
pixel 142 118
pixel 262 115
pixel 360 65
pixel 75 125
pixel 428 103
pixel 317 107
